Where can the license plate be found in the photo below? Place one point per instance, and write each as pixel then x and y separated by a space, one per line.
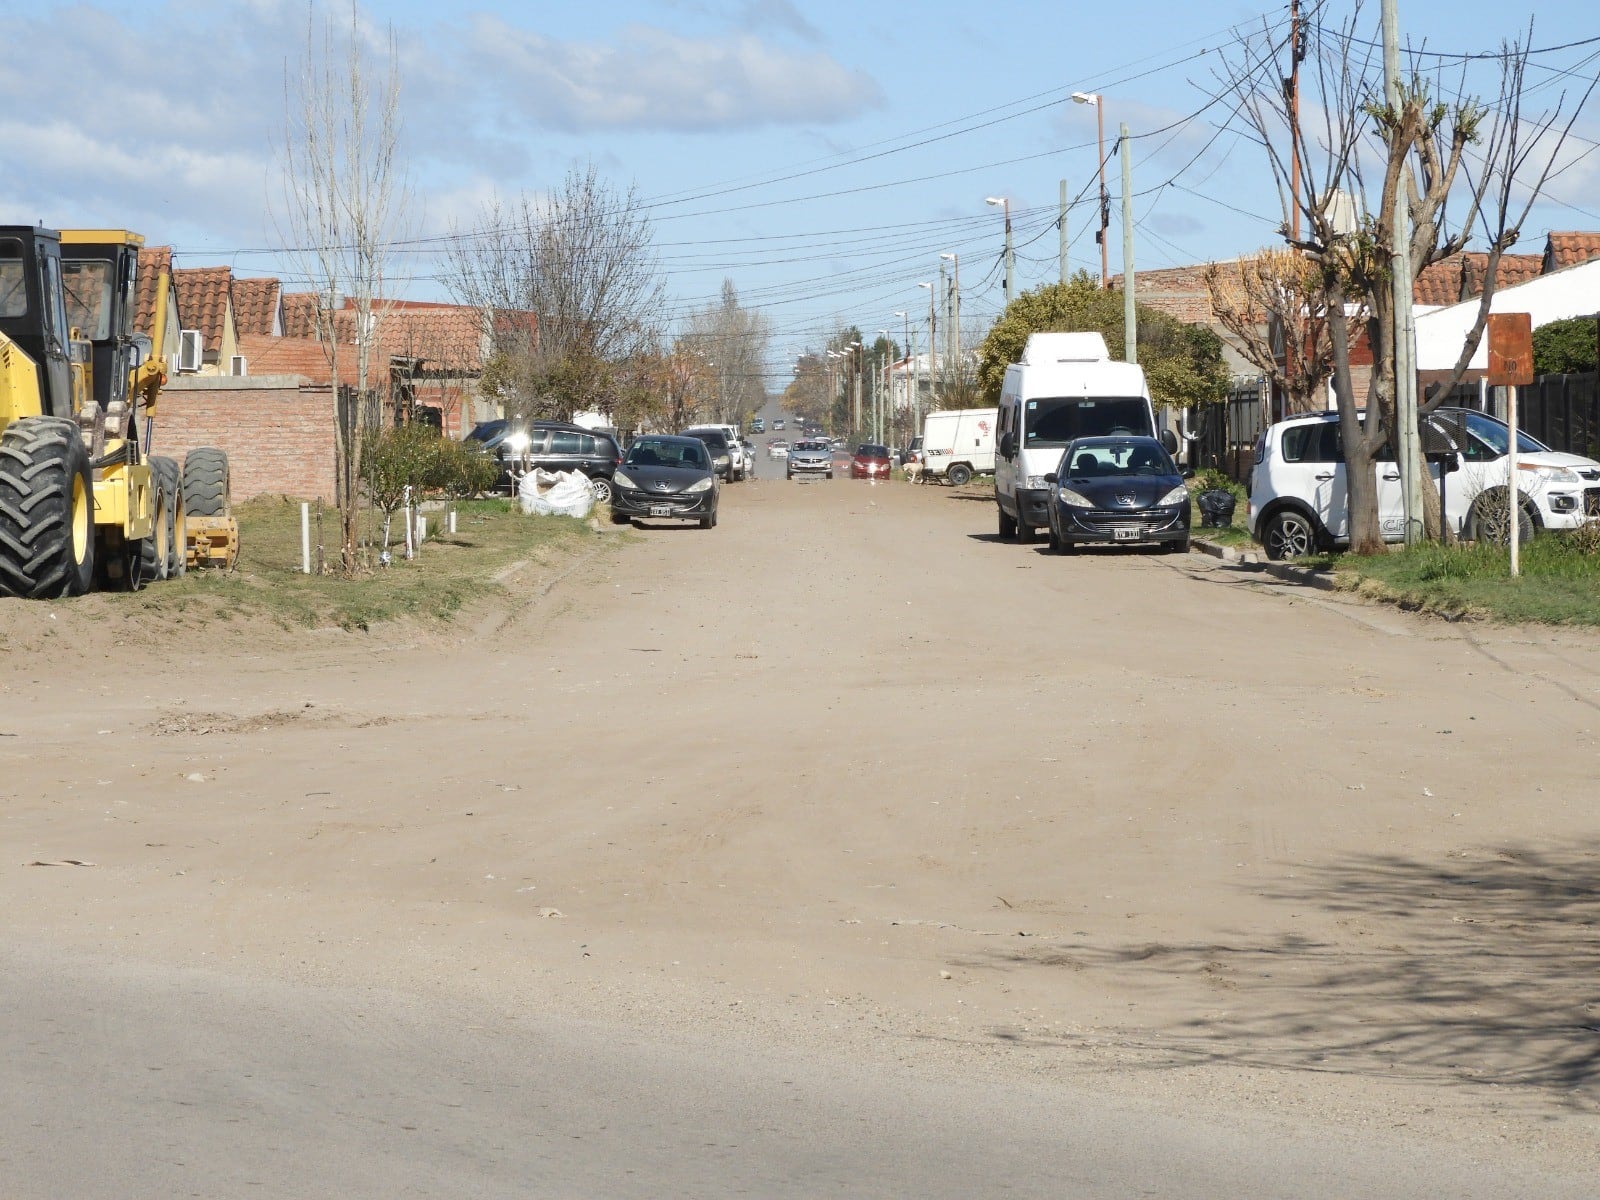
pixel 661 510
pixel 1125 533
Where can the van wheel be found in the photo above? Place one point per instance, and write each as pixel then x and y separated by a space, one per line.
pixel 959 475
pixel 1024 530
pixel 1008 526
pixel 1289 534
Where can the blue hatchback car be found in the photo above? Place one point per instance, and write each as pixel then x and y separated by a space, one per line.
pixel 1118 491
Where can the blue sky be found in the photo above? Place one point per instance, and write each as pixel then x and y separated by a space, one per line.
pixel 821 155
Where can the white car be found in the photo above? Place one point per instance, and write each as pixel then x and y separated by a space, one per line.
pixel 1299 504
pixel 778 449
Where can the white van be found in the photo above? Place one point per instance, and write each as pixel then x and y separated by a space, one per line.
pixel 1065 387
pixel 958 443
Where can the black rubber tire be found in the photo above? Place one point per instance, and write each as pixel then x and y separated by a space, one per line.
pixel 1488 521
pixel 47 541
pixel 155 551
pixel 601 487
pixel 1176 547
pixel 830 474
pixel 170 474
pixel 206 484
pixel 1052 539
pixel 959 475
pixel 1008 525
pixel 709 521
pixel 1289 533
pixel 118 566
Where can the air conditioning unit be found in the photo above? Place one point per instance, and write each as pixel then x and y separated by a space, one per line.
pixel 191 351
pixel 238 366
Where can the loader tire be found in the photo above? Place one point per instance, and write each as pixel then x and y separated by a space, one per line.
pixel 46 510
pixel 170 476
pixel 155 551
pixel 206 483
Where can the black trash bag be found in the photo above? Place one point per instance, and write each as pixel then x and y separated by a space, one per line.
pixel 1216 508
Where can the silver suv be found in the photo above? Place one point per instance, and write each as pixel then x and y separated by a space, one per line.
pixel 1299 503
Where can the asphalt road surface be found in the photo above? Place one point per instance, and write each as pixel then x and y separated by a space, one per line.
pixel 840 850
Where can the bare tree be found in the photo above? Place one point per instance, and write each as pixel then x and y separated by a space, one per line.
pixel 344 201
pixel 1487 162
pixel 1273 304
pixel 733 342
pixel 582 263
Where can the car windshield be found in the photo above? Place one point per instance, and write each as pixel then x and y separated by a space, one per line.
pixel 668 452
pixel 810 446
pixel 1496 436
pixel 1114 459
pixel 873 452
pixel 1056 420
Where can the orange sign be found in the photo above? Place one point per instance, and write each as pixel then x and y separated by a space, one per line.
pixel 1510 349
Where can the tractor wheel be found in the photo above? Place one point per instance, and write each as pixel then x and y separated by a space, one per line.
pixel 155 551
pixel 170 475
pixel 46 510
pixel 206 483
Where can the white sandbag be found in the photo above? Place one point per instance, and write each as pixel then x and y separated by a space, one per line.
pixel 555 494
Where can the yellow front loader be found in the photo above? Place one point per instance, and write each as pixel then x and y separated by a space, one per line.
pixel 79 503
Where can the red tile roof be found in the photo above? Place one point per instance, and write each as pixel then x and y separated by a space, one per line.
pixel 1460 277
pixel 152 261
pixel 203 301
pixel 255 305
pixel 1570 249
pixel 299 314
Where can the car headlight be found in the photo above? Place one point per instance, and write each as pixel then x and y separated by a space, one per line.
pixel 1555 474
pixel 700 485
pixel 1037 483
pixel 1178 495
pixel 518 443
pixel 1076 499
pixel 622 479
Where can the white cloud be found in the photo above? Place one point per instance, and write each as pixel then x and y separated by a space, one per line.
pixel 650 79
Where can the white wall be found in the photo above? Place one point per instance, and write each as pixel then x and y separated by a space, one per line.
pixel 1573 292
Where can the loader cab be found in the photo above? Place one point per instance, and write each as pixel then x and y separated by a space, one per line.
pixel 100 276
pixel 33 317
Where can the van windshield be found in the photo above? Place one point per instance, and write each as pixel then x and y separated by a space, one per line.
pixel 1051 422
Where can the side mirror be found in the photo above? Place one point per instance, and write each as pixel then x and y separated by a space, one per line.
pixel 1051 477
pixel 1188 472
pixel 1008 445
pixel 1169 441
pixel 1452 462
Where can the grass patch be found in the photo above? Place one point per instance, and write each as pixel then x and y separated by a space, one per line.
pixel 449 571
pixel 1560 582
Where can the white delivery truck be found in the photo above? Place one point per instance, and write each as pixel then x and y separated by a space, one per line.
pixel 1066 386
pixel 958 443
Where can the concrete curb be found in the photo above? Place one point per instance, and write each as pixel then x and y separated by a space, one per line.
pixel 1253 561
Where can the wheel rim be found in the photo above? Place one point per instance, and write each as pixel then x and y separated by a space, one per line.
pixel 602 490
pixel 1291 537
pixel 80 520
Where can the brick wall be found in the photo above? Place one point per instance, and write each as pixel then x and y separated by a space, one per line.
pixel 276 429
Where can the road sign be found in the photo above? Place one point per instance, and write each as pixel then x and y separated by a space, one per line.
pixel 1510 349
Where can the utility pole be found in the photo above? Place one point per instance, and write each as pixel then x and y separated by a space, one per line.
pixel 959 365
pixel 1005 205
pixel 933 342
pixel 1063 224
pixel 911 366
pixel 1405 372
pixel 944 302
pixel 1130 328
pixel 1098 101
pixel 1297 51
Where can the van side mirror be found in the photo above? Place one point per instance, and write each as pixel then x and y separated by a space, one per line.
pixel 1008 445
pixel 1169 441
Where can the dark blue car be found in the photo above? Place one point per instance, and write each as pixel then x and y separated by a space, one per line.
pixel 1118 491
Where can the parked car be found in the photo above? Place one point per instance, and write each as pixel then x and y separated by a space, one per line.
pixel 725 457
pixel 870 462
pixel 521 447
pixel 913 452
pixel 777 448
pixel 758 424
pixel 666 477
pixel 777 425
pixel 810 457
pixel 1118 491
pixel 1299 503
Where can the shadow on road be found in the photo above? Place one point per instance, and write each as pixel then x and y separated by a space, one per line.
pixel 1482 968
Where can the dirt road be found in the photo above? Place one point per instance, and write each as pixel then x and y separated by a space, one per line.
pixel 847 773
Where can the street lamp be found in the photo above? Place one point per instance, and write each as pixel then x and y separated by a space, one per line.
pixel 1005 206
pixel 955 320
pixel 1105 201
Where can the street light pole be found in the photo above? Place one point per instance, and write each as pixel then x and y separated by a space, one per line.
pixel 955 318
pixel 933 340
pixel 858 361
pixel 878 393
pixel 1130 327
pixel 911 367
pixel 1005 206
pixel 1095 99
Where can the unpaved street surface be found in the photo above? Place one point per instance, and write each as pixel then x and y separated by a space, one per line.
pixel 847 780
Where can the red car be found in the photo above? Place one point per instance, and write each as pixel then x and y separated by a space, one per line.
pixel 870 462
